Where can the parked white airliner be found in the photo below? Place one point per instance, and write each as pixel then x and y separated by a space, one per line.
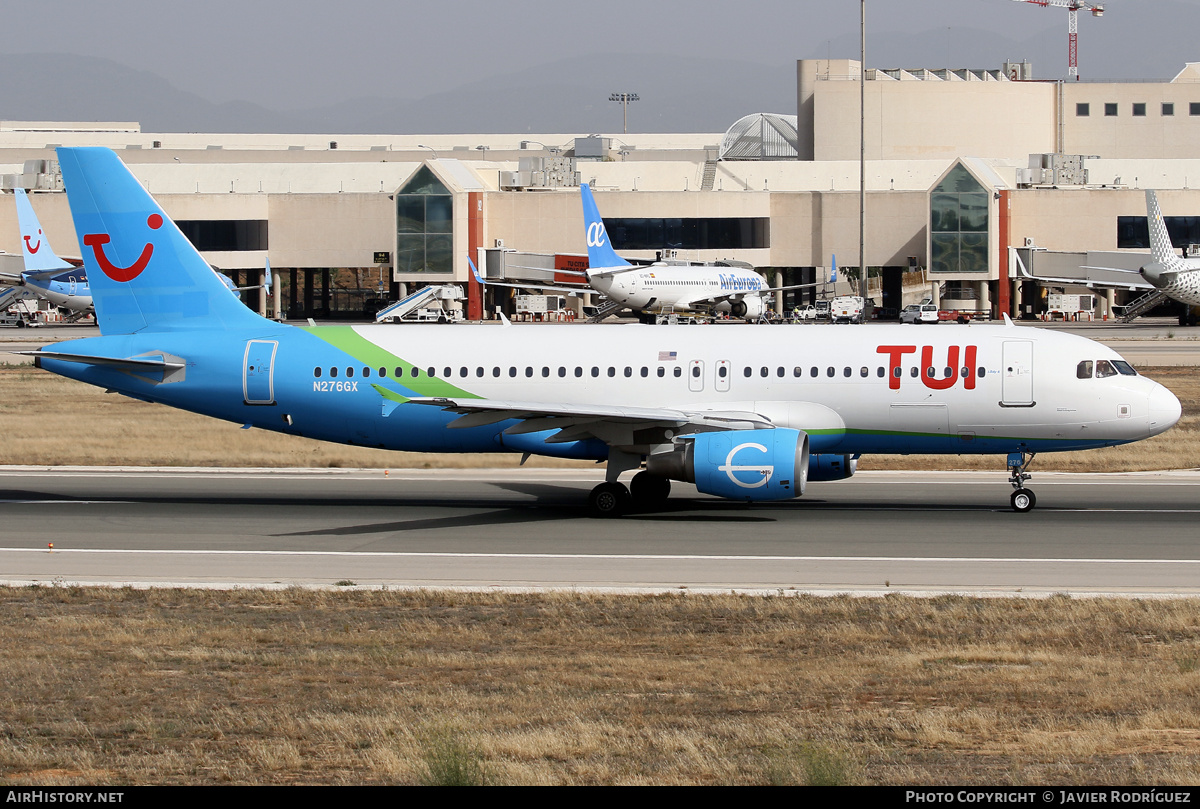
pixel 674 286
pixel 740 416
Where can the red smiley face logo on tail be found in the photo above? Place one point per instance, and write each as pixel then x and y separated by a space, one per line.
pixel 30 247
pixel 96 241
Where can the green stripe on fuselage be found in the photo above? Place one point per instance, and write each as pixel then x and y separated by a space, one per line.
pixel 346 339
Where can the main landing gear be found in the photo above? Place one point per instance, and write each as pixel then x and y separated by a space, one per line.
pixel 645 492
pixel 1022 499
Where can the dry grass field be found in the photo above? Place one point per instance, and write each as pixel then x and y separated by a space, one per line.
pixel 350 687
pixel 92 427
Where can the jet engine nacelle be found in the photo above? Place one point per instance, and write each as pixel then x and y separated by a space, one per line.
pixel 831 467
pixel 739 464
pixel 748 308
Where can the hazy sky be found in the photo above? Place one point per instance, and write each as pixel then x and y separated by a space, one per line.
pixel 300 53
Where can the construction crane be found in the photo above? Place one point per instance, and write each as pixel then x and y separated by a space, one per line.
pixel 1072 7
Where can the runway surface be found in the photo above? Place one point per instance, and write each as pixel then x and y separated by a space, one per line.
pixel 876 533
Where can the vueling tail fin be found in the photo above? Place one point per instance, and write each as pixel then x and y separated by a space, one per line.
pixel 1160 240
pixel 35 247
pixel 600 252
pixel 144 273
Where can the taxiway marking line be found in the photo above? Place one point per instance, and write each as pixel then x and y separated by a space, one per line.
pixel 606 556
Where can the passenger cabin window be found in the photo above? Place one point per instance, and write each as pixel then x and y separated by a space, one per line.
pixel 316 372
pixel 678 372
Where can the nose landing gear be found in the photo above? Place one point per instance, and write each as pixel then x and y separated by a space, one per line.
pixel 1022 499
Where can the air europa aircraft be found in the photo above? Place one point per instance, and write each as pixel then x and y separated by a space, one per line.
pixel 665 285
pixel 739 416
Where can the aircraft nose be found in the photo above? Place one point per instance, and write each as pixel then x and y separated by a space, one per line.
pixel 1164 409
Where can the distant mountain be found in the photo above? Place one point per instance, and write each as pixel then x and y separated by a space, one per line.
pixel 676 95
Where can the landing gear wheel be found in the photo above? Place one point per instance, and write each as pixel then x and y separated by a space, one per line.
pixel 1023 500
pixel 649 491
pixel 608 500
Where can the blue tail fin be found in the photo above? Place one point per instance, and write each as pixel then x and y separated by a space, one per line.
pixel 35 247
pixel 144 274
pixel 600 252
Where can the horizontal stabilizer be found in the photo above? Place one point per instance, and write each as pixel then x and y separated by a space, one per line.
pixel 171 367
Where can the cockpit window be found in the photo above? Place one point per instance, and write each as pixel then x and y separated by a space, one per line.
pixel 1084 370
pixel 1124 368
pixel 1104 369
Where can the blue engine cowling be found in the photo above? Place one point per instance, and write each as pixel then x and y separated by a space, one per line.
pixel 831 467
pixel 740 464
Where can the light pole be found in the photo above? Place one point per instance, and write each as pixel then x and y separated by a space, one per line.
pixel 430 148
pixel 624 98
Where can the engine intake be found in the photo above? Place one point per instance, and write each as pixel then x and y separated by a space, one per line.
pixel 739 464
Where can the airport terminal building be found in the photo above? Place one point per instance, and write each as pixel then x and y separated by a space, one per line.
pixel 974 179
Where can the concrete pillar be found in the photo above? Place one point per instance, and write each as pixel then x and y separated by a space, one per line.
pixel 935 294
pixel 260 278
pixel 778 295
pixel 1015 314
pixel 1109 299
pixel 985 296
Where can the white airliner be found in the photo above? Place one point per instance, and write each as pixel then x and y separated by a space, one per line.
pixel 1178 278
pixel 741 417
pixel 666 285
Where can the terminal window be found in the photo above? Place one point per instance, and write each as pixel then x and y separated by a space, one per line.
pixel 1139 110
pixel 424 225
pixel 1110 109
pixel 1194 108
pixel 1083 110
pixel 959 224
pixel 702 233
pixel 1168 108
pixel 1134 234
pixel 232 235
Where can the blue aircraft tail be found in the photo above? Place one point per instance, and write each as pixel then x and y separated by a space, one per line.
pixel 600 252
pixel 35 247
pixel 144 273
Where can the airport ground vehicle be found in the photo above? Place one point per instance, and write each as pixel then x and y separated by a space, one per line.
pixel 741 417
pixel 919 313
pixel 851 309
pixel 963 315
pixel 805 314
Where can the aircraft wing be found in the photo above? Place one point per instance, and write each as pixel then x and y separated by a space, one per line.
pixel 737 295
pixel 636 429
